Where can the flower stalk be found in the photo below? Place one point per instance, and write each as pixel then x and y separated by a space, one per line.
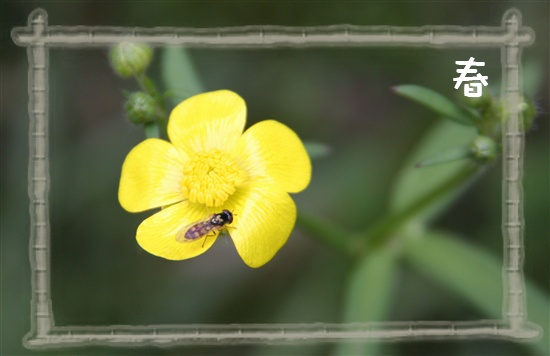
pixel 364 242
pixel 329 234
pixel 382 232
pixel 161 120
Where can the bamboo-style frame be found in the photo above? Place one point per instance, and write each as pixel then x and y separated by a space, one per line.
pixel 510 37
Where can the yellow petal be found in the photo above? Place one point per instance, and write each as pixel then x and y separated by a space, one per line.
pixel 157 234
pixel 206 121
pixel 263 218
pixel 271 150
pixel 151 176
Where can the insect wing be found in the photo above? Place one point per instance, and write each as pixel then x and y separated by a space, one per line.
pixel 196 230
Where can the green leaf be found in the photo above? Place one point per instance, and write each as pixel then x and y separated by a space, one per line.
pixel 463 268
pixel 473 274
pixel 437 185
pixel 446 156
pixel 179 74
pixel 438 103
pixel 369 295
pixel 317 149
pixel 533 77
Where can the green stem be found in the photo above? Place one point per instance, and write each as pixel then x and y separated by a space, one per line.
pixel 152 130
pixel 359 244
pixel 148 86
pixel 328 233
pixel 383 231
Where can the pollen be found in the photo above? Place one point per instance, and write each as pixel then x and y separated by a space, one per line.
pixel 211 177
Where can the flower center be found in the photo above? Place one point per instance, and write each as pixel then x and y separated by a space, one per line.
pixel 210 178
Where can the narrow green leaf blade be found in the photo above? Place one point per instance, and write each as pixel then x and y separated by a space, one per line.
pixel 369 295
pixel 475 275
pixel 413 184
pixel 179 75
pixel 437 103
pixel 463 268
pixel 449 155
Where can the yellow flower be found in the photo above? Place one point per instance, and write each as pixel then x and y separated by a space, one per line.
pixel 210 165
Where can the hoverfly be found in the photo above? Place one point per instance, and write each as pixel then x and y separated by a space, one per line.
pixel 211 225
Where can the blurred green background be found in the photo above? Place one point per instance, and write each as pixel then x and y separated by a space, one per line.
pixel 339 97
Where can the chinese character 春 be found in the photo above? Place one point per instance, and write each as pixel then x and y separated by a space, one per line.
pixel 472 90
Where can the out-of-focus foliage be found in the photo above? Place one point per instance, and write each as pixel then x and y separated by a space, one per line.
pixel 335 98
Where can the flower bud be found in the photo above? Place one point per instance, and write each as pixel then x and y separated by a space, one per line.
pixel 483 148
pixel 481 103
pixel 141 108
pixel 130 59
